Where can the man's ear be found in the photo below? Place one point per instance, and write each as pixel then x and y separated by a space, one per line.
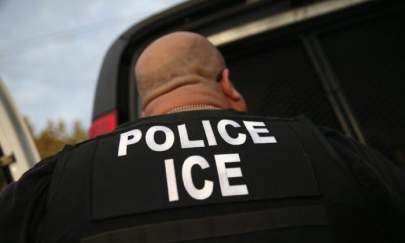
pixel 227 86
pixel 234 97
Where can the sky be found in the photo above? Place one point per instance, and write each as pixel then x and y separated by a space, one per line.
pixel 51 51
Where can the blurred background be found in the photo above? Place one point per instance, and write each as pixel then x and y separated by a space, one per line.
pixel 50 58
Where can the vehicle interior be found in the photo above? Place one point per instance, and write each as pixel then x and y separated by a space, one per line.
pixel 338 62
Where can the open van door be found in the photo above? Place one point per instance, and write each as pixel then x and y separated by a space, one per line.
pixel 338 62
pixel 17 149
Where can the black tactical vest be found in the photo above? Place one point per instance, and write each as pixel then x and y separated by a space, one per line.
pixel 206 176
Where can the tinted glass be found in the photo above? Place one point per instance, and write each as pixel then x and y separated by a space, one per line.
pixel 279 80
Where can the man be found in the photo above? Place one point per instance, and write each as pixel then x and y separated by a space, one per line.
pixel 197 168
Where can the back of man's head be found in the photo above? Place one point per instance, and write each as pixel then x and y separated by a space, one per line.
pixel 174 59
pixel 177 60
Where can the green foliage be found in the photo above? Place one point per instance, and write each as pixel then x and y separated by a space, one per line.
pixel 55 136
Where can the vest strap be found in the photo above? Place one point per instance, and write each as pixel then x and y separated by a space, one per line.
pixel 217 226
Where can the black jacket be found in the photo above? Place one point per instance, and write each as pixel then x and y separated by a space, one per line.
pixel 209 176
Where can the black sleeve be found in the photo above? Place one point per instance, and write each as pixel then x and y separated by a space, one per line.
pixel 22 203
pixel 382 181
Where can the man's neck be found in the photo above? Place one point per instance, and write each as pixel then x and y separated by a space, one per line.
pixel 191 97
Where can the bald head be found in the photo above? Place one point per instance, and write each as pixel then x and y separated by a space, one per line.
pixel 174 60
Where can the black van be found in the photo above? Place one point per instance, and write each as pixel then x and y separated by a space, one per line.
pixel 339 62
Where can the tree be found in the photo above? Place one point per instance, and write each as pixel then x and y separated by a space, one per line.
pixel 78 133
pixel 55 136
